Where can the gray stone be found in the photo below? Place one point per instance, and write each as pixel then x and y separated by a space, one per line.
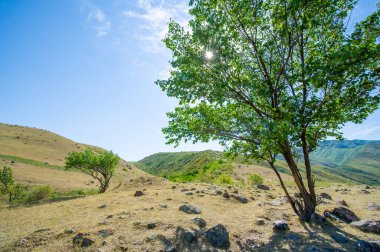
pixel 138 193
pixel 263 187
pixel 341 213
pixel 86 242
pixel 363 191
pixel 219 192
pixel 364 246
pixel 189 193
pixel 78 238
pixel 367 226
pixel 260 221
pixel 372 206
pixel 339 238
pixel 102 206
pixel 105 233
pixel 189 209
pixel 325 196
pixel 151 225
pixel 240 198
pixel 218 237
pixel 280 225
pixel 162 205
pixel 226 195
pixel 201 223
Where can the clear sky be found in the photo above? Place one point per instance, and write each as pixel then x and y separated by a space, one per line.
pixel 85 69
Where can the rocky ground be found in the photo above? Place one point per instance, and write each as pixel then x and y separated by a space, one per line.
pixel 194 217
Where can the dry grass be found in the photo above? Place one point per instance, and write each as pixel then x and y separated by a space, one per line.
pixel 131 214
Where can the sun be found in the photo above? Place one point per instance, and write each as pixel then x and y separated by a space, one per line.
pixel 209 55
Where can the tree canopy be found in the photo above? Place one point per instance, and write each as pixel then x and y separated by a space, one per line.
pixel 272 77
pixel 101 166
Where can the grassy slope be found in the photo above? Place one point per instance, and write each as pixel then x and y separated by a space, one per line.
pixel 347 161
pixel 37 158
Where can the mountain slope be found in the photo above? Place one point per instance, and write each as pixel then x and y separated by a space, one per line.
pixel 355 161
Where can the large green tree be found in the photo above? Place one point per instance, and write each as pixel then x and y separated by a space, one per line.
pixel 99 165
pixel 269 77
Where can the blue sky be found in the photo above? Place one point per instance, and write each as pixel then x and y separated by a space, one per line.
pixel 85 69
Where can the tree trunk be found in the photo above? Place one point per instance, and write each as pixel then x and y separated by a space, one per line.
pixel 307 207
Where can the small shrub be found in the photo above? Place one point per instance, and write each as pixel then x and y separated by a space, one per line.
pixel 38 193
pixel 225 179
pixel 255 179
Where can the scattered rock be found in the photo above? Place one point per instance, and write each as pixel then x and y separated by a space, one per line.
pixel 342 202
pixel 184 190
pixel 138 193
pixel 280 201
pixel 162 205
pixel 174 187
pixel 280 225
pixel 185 236
pixel 342 214
pixel 367 187
pixel 325 196
pixel 23 241
pixel 69 231
pixel 263 187
pixel 240 198
pixel 235 191
pixel 201 223
pixel 86 242
pixel 339 238
pixel 151 225
pixel 219 192
pixel 102 206
pixel 218 237
pixel 260 221
pixel 226 195
pixel 364 246
pixel 372 206
pixel 105 233
pixel 261 203
pixel 317 219
pixel 78 238
pixel 189 193
pixel 363 191
pixel 367 226
pixel 190 209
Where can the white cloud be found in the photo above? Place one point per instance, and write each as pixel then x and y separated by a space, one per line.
pixel 153 17
pixel 96 17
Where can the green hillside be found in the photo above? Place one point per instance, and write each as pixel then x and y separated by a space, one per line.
pixel 352 161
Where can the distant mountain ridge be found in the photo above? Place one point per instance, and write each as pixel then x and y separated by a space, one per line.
pixel 355 161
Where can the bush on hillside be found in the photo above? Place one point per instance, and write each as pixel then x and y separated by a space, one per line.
pixel 224 179
pixel 255 179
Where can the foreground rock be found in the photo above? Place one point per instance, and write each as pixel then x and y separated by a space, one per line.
pixel 364 246
pixel 189 209
pixel 367 226
pixel 280 225
pixel 339 238
pixel 341 214
pixel 218 237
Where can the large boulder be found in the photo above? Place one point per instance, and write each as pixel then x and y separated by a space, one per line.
pixel 342 214
pixel 218 237
pixel 189 209
pixel 370 226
